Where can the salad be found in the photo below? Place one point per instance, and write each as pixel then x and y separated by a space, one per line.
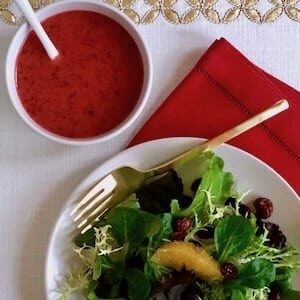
pixel 185 236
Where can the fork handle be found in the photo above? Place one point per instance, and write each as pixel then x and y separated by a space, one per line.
pixel 246 125
pixel 223 137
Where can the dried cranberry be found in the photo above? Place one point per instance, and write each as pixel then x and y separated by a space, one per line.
pixel 229 270
pixel 244 210
pixel 206 233
pixel 231 201
pixel 264 208
pixel 271 227
pixel 274 294
pixel 195 185
pixel 182 224
pixel 177 236
pixel 277 239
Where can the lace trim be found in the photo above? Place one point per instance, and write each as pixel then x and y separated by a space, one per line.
pixel 193 10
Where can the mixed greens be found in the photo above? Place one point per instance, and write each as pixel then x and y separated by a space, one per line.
pixel 187 235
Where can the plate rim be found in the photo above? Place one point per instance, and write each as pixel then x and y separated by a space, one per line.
pixel 130 149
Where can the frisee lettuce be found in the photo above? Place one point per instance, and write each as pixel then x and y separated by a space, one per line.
pixel 216 185
pixel 257 294
pixel 90 258
pixel 287 257
pixel 75 281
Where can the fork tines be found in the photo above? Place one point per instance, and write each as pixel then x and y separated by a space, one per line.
pixel 93 204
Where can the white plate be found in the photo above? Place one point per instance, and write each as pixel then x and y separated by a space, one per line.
pixel 248 171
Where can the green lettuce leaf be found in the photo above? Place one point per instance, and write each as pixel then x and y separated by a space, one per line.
pixel 238 294
pixel 232 235
pixel 215 186
pixel 138 285
pixel 128 225
pixel 255 274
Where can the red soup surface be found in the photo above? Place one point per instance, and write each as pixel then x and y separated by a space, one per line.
pixel 93 85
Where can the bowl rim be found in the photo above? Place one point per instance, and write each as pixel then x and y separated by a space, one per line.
pixel 87 5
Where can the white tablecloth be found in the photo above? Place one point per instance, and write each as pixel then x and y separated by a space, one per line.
pixel 37 175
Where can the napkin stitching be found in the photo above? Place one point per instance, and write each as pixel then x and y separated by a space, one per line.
pixel 243 108
pixel 261 73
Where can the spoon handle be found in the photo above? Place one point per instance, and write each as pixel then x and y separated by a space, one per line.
pixel 32 19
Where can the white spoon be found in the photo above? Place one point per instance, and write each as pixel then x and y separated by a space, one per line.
pixel 29 14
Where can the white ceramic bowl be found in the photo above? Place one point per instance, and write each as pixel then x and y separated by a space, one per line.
pixel 69 5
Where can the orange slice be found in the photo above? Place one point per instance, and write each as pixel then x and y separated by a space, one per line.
pixel 179 255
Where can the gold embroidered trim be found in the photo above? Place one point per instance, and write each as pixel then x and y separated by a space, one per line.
pixel 10 14
pixel 168 10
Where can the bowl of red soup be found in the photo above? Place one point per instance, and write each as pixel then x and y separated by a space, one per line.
pixel 98 85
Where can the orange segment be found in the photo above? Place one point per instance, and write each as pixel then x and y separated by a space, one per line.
pixel 178 255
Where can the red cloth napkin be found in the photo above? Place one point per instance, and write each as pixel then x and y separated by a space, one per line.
pixel 223 89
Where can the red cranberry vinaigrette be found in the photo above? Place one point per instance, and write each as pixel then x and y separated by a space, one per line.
pixel 93 85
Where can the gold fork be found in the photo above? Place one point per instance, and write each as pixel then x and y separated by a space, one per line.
pixel 115 187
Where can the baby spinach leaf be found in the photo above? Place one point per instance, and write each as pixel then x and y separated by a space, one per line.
pixel 97 267
pixel 215 181
pixel 256 274
pixel 153 271
pixel 165 229
pixel 232 235
pixel 138 284
pixel 91 295
pixel 114 291
pixel 92 285
pixel 290 295
pixel 153 223
pixel 128 225
pixel 238 294
pixel 163 233
pixel 283 279
pixel 116 274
